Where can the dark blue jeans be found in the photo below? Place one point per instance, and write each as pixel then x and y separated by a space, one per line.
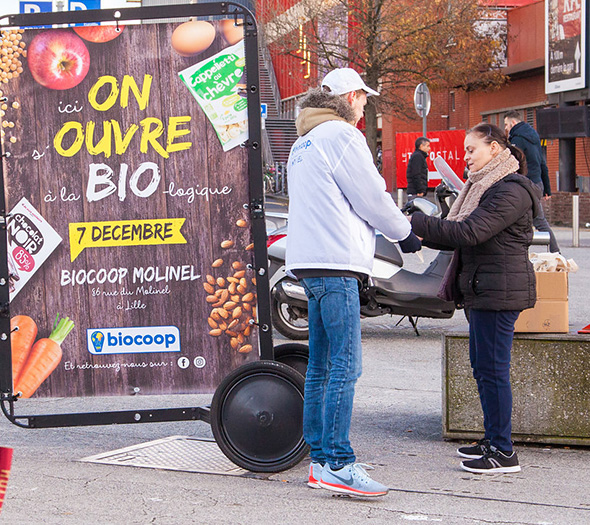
pixel 490 343
pixel 333 369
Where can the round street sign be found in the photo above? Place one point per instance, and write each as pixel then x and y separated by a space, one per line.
pixel 422 99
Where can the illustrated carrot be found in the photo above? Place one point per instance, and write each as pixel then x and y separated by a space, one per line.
pixel 23 331
pixel 43 359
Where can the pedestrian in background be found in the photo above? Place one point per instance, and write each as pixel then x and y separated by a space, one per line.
pixel 336 201
pixel 524 137
pixel 490 227
pixel 417 171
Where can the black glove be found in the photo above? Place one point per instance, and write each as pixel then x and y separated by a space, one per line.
pixel 410 244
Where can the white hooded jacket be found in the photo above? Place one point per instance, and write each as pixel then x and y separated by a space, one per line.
pixel 337 198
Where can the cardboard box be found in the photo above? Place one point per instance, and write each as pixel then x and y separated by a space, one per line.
pixel 552 285
pixel 550 314
pixel 546 317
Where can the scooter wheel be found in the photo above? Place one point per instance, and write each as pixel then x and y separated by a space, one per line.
pixel 295 355
pixel 290 321
pixel 257 416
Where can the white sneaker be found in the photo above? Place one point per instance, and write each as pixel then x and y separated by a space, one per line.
pixel 352 479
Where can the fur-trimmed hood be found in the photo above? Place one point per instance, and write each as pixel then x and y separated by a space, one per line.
pixel 319 106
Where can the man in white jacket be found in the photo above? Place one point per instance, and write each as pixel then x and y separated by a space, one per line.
pixel 336 201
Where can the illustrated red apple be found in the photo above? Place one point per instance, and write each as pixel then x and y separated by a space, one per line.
pixel 99 34
pixel 58 59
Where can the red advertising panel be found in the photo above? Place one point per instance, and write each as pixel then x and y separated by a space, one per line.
pixel 129 237
pixel 446 144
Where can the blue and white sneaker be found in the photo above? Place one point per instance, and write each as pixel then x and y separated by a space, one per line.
pixel 315 474
pixel 353 480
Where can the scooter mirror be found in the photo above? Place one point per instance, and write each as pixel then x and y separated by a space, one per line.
pixel 423 205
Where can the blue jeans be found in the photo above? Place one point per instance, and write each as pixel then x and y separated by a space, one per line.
pixel 490 344
pixel 334 366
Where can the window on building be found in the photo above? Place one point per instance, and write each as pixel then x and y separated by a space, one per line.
pixel 452 100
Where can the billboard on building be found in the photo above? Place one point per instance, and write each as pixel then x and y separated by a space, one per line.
pixel 565 45
pixel 128 193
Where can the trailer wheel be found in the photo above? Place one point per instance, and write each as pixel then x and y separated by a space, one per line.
pixel 295 355
pixel 257 416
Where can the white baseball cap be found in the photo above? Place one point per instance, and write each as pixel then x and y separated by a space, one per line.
pixel 344 80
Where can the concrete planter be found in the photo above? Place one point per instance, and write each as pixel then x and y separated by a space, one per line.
pixel 550 377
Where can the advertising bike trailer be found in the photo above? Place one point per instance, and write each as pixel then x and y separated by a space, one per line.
pixel 133 253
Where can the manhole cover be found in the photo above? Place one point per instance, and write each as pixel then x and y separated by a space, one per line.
pixel 172 453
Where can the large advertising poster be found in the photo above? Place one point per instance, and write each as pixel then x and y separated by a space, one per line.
pixel 129 237
pixel 565 45
pixel 445 144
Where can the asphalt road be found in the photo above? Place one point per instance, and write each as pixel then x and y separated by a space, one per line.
pixel 396 428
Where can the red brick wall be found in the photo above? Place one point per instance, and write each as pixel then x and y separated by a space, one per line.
pixel 558 209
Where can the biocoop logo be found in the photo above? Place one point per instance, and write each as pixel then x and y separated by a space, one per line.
pixel 133 340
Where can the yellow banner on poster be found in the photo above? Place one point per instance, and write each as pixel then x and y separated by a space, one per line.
pixel 124 233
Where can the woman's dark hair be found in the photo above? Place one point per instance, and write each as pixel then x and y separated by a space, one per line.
pixel 490 133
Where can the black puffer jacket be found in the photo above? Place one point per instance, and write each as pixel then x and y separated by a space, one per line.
pixel 493 242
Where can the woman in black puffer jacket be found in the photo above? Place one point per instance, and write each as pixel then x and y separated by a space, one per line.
pixel 490 226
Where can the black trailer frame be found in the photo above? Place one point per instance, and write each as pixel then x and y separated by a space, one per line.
pixel 242 16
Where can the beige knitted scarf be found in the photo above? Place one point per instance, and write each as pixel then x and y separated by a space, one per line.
pixel 478 182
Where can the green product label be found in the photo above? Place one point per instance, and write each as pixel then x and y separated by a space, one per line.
pixel 218 77
pixel 241 104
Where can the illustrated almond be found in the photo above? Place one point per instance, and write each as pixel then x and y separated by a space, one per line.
pixel 236 313
pixel 210 279
pixel 234 323
pixel 221 282
pixel 212 323
pixel 230 305
pixel 215 332
pixel 242 289
pixel 231 333
pixel 217 263
pixel 240 274
pixel 241 223
pixel 227 244
pixel 211 299
pixel 245 349
pixel 234 343
pixel 233 280
pixel 237 265
pixel 241 338
pixel 222 325
pixel 215 314
pixel 232 288
pixel 247 306
pixel 218 304
pixel 235 298
pixel 254 281
pixel 243 282
pixel 223 295
pixel 250 247
pixel 248 297
pixel 223 313
pixel 248 330
pixel 208 288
